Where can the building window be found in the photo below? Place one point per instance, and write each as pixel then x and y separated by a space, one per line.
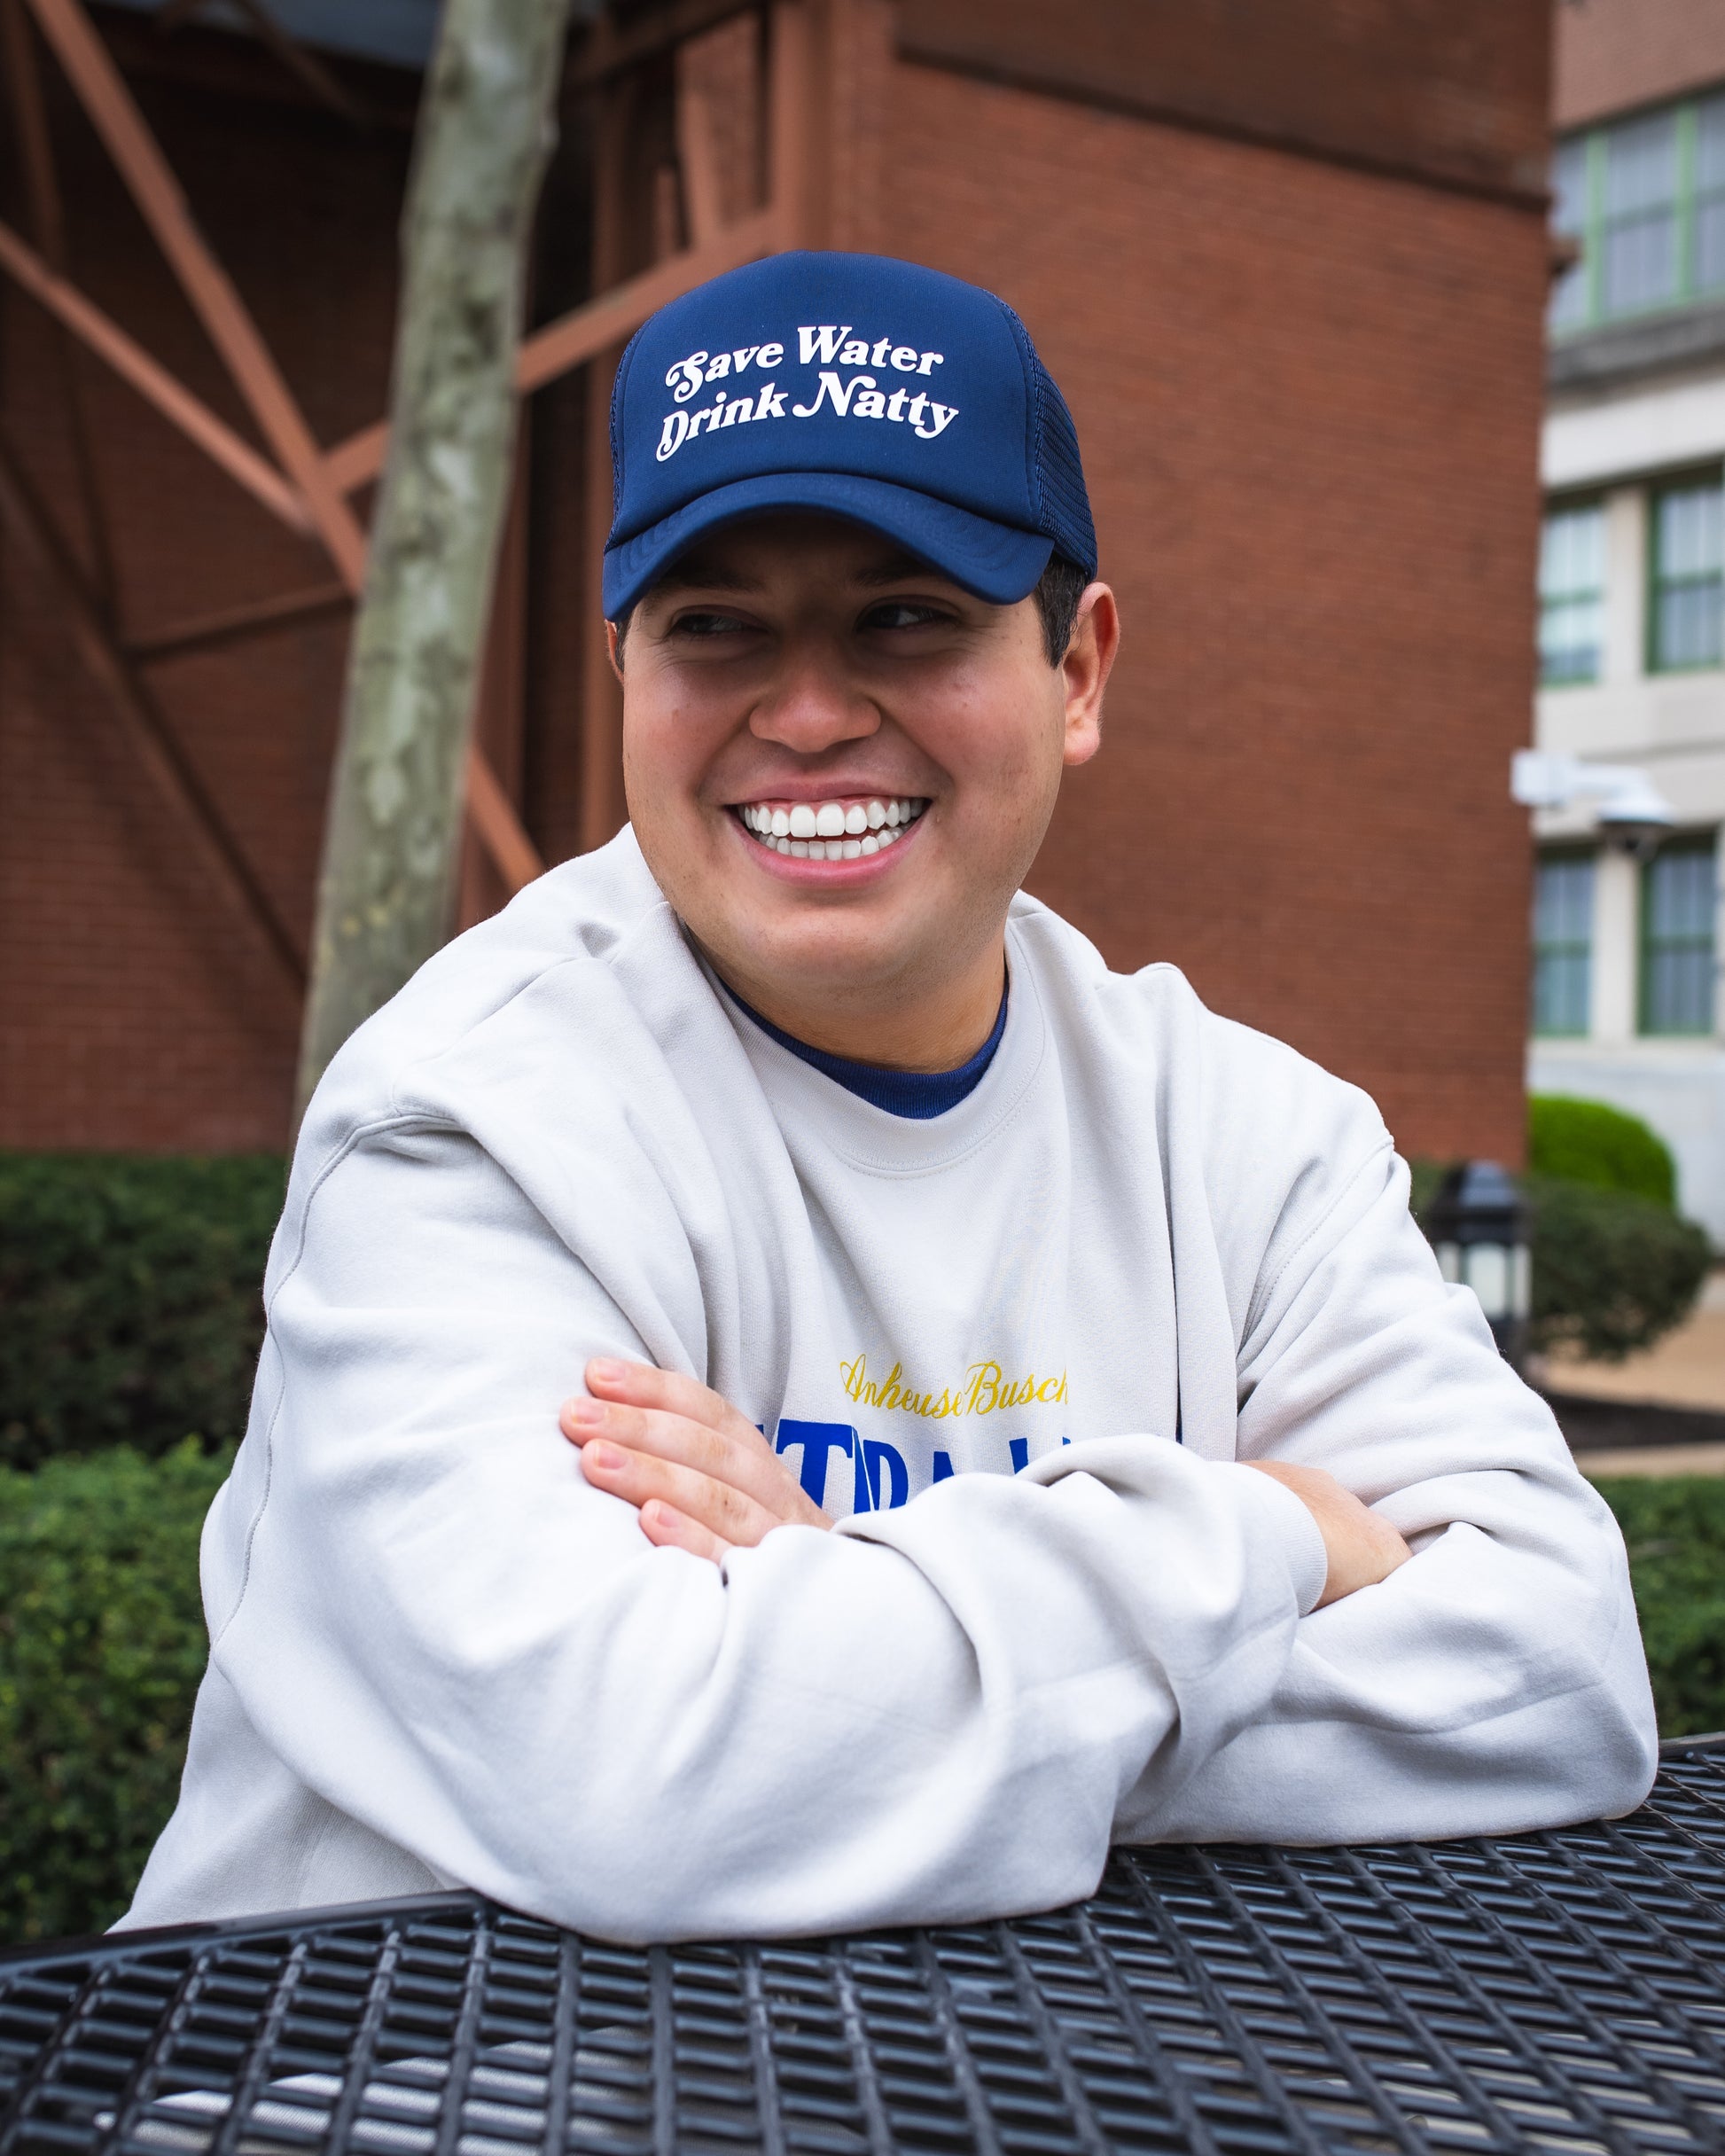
pixel 1573 594
pixel 1563 943
pixel 1644 201
pixel 1684 618
pixel 1677 906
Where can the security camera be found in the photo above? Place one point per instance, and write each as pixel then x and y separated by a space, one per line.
pixel 1632 814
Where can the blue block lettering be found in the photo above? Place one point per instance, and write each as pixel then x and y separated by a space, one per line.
pixel 876 1455
pixel 817 1441
pixel 942 1466
pixel 1019 1449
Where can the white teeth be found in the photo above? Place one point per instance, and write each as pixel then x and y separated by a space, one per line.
pixel 831 830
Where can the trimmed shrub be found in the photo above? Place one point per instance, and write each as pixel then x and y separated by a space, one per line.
pixel 102 1644
pixel 130 1298
pixel 1675 1533
pixel 1584 1141
pixel 1611 1272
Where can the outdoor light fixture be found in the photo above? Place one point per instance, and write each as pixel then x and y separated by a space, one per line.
pixel 1632 812
pixel 1477 1224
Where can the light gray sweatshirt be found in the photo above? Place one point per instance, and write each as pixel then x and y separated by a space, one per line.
pixel 1020 1347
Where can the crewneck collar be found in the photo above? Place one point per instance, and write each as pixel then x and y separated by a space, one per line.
pixel 919 1096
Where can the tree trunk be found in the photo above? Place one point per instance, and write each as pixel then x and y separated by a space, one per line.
pixel 387 889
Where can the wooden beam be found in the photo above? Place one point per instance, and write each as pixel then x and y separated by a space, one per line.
pixel 300 63
pixel 697 158
pixel 164 760
pixel 153 382
pixel 791 89
pixel 206 632
pixel 114 113
pixel 48 220
pixel 608 50
pixel 588 330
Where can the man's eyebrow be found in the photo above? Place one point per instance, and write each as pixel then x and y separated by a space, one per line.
pixel 696 576
pixel 896 568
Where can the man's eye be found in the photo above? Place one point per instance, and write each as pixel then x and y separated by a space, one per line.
pixel 902 613
pixel 707 623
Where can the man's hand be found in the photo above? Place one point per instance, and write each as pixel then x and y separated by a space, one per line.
pixel 1362 1548
pixel 702 1477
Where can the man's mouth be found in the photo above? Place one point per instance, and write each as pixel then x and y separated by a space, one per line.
pixel 843 830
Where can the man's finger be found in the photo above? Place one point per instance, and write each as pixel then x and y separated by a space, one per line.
pixel 742 1459
pixel 640 1385
pixel 642 1480
pixel 667 1528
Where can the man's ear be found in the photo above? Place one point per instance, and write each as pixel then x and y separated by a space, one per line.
pixel 613 645
pixel 1089 659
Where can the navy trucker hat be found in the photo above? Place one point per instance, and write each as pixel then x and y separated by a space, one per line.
pixel 871 389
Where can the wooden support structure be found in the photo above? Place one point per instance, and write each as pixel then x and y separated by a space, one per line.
pixel 165 763
pixel 48 219
pixel 308 488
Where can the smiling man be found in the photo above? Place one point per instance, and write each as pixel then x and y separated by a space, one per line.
pixel 794 1398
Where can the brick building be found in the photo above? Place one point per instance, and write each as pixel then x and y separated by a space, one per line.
pixel 1289 266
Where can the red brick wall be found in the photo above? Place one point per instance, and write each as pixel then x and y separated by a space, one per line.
pixel 136 1007
pixel 1615 54
pixel 1309 396
pixel 1309 402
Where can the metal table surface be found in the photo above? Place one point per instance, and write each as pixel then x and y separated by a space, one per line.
pixel 1562 1991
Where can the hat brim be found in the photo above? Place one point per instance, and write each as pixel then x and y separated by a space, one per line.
pixel 997 562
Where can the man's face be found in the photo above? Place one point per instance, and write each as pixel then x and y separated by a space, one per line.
pixel 839 765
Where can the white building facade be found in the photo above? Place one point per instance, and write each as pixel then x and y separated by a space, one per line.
pixel 1627 1006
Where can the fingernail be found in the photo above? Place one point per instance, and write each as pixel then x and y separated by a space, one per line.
pixel 607 1370
pixel 586 1412
pixel 603 1456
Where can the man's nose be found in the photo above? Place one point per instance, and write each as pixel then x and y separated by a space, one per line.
pixel 813 705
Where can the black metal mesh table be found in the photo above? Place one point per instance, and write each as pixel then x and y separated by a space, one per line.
pixel 1549 1992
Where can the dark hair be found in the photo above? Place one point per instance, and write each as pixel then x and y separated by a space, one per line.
pixel 1058 590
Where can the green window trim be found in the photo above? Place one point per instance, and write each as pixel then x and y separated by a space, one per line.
pixel 1571 593
pixel 1644 197
pixel 1675 987
pixel 1685 626
pixel 1561 985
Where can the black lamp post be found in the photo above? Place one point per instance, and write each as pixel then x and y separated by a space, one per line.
pixel 1477 1223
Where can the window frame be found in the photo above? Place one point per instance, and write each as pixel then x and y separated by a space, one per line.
pixel 1566 504
pixel 1695 843
pixel 1677 482
pixel 1552 856
pixel 1595 223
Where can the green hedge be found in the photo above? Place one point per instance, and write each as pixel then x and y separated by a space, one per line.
pixel 102 1644
pixel 1584 1141
pixel 129 1298
pixel 1611 1272
pixel 1675 1533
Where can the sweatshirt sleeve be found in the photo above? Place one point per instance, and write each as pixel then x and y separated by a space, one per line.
pixel 1496 1681
pixel 434 1624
